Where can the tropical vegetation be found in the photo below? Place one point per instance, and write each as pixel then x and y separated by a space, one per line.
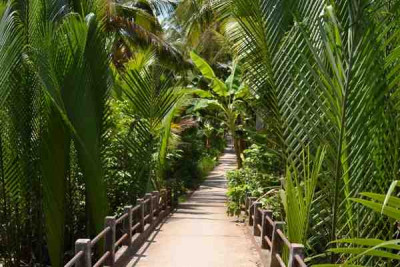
pixel 102 101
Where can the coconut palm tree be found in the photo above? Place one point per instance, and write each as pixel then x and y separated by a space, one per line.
pixel 199 25
pixel 135 25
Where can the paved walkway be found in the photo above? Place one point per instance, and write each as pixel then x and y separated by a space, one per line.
pixel 199 234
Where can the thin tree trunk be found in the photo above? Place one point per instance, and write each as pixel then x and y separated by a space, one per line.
pixel 237 151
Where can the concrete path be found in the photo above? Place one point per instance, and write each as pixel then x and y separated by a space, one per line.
pixel 199 234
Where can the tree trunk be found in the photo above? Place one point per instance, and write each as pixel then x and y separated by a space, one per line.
pixel 237 152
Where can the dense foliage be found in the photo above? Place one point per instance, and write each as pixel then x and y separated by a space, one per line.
pixel 258 178
pixel 327 74
pixel 102 101
pixel 90 120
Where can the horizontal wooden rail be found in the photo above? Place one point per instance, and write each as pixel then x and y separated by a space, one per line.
pixel 299 261
pixel 135 227
pixel 122 218
pixel 272 236
pixel 94 241
pixel 102 260
pixel 137 224
pixel 74 259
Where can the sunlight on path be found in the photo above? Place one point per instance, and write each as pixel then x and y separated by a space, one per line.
pixel 199 234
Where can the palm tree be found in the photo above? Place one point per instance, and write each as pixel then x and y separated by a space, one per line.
pixel 135 26
pixel 325 70
pixel 361 248
pixel 227 97
pixel 12 182
pixel 199 25
pixel 55 83
pixel 78 109
pixel 155 98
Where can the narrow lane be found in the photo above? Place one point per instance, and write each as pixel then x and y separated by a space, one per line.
pixel 199 233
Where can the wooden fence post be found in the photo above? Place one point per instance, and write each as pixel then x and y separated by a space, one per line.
pixel 264 229
pixel 86 259
pixel 277 244
pixel 110 239
pixel 164 199
pixel 250 213
pixel 127 225
pixel 250 203
pixel 159 207
pixel 156 202
pixel 257 218
pixel 141 214
pixel 296 249
pixel 150 207
pixel 169 197
pixel 176 197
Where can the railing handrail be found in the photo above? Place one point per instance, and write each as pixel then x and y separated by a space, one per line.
pixel 97 238
pixel 146 212
pixel 74 259
pixel 272 236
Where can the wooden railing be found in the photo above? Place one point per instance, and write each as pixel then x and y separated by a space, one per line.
pixel 272 237
pixel 135 224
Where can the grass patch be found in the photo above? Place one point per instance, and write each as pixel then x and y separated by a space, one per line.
pixel 206 165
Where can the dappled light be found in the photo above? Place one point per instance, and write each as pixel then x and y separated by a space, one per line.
pixel 199 133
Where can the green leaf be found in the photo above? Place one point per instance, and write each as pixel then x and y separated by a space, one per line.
pixel 366 252
pixel 203 66
pixel 337 265
pixel 243 91
pixel 389 193
pixel 377 207
pixel 372 242
pixel 201 93
pixel 218 86
pixel 207 103
pixel 391 201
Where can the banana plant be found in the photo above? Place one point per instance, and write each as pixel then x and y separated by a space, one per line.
pixel 229 97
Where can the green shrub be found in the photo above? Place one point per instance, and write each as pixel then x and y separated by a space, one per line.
pixel 218 144
pixel 248 182
pixel 193 161
pixel 260 158
pixel 206 165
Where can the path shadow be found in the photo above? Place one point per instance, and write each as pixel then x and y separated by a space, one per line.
pixel 209 194
pixel 180 211
pixel 194 206
pixel 142 251
pixel 207 200
pixel 194 218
